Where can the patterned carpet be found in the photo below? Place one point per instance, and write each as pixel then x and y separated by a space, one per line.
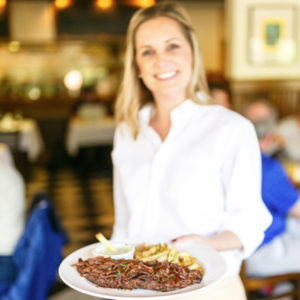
pixel 83 201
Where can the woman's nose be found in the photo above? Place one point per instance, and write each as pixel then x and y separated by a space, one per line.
pixel 161 58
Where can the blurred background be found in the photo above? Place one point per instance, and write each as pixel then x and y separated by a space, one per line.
pixel 56 55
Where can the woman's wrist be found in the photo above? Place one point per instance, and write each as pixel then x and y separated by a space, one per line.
pixel 225 240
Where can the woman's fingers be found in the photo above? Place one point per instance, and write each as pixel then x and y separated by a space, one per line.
pixel 184 239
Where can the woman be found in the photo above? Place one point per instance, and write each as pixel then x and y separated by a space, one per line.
pixel 289 131
pixel 184 170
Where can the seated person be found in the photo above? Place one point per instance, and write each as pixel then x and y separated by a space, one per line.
pixel 256 111
pixel 279 252
pixel 12 218
pixel 289 129
pixel 220 94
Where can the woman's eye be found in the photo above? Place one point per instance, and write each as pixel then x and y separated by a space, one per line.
pixel 147 52
pixel 173 46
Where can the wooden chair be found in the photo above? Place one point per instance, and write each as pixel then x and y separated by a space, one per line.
pixel 253 285
pixel 11 139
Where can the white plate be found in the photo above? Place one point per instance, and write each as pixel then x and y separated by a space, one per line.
pixel 214 264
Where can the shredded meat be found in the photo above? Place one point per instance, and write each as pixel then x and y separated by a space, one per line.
pixel 135 274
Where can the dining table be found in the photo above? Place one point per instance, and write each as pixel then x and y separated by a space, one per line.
pixel 88 133
pixel 30 138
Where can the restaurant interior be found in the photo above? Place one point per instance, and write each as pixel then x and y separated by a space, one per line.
pixel 57 54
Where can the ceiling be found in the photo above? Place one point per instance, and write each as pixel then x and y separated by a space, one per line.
pixel 81 19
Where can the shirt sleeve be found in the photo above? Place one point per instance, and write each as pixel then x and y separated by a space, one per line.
pixel 121 211
pixel 245 213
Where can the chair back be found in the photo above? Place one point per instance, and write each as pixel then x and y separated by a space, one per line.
pixel 254 285
pixel 11 139
pixel 38 253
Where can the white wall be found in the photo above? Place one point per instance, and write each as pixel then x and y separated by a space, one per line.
pixel 208 22
pixel 32 21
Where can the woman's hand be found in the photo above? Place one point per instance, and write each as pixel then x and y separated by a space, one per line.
pixel 190 238
pixel 222 241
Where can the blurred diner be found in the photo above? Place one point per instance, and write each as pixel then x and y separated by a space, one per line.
pixel 279 252
pixel 289 129
pixel 12 219
pixel 220 93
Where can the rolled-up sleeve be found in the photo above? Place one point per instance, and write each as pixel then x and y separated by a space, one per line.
pixel 245 213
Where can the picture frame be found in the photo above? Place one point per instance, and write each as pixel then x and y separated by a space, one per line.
pixel 272 35
pixel 263 40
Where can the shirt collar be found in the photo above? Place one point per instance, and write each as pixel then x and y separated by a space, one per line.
pixel 145 114
pixel 180 113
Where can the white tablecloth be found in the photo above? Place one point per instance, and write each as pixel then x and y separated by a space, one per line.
pixel 86 133
pixel 30 137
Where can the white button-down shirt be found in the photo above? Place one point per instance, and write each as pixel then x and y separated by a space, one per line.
pixel 204 178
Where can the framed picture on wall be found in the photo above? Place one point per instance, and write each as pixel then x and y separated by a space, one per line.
pixel 272 35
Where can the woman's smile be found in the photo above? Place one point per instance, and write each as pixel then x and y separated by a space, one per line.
pixel 166 75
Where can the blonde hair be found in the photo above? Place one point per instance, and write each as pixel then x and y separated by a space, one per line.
pixel 133 94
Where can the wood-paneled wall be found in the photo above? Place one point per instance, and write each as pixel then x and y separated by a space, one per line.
pixel 285 95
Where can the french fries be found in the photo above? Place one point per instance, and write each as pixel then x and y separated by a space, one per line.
pixel 162 253
pixel 158 252
pixel 102 239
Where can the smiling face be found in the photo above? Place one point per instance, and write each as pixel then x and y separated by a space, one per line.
pixel 164 57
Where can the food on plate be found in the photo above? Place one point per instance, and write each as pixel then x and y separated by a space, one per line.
pixel 112 249
pixel 156 267
pixel 102 239
pixel 122 251
pixel 136 274
pixel 162 252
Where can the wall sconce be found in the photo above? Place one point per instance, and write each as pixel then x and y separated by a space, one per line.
pixel 105 4
pixel 139 3
pixel 62 4
pixel 2 5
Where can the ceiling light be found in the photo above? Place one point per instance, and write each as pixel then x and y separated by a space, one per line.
pixel 62 4
pixel 2 3
pixel 73 80
pixel 139 3
pixel 105 4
